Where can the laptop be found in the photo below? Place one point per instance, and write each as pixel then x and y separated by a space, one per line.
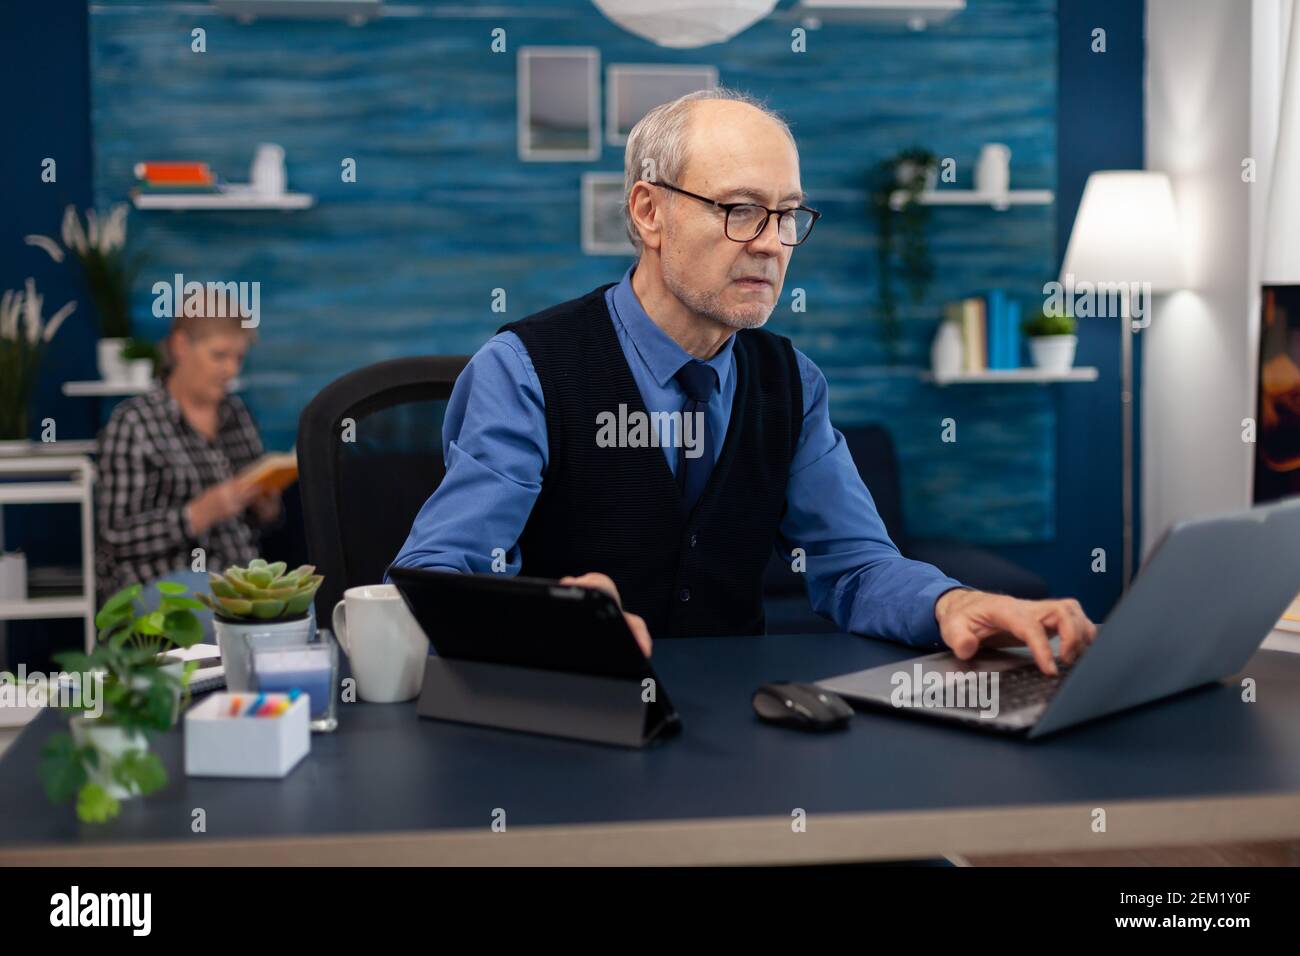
pixel 1205 600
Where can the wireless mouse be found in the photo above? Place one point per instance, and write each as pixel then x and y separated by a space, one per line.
pixel 801 706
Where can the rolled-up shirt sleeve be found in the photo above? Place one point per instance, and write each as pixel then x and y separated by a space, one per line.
pixel 856 576
pixel 495 450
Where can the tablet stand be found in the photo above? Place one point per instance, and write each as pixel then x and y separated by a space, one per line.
pixel 556 703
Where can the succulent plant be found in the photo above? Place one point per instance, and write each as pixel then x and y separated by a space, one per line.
pixel 261 591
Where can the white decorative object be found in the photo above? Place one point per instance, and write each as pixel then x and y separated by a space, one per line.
pixel 993 171
pixel 946 351
pixel 13 576
pixel 109 361
pixel 267 175
pixel 683 24
pixel 1053 353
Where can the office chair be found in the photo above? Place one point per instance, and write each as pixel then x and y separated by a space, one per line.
pixel 369 456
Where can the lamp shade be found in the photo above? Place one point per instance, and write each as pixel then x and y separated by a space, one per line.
pixel 1127 231
pixel 685 23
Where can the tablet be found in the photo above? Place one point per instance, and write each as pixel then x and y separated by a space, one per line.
pixel 526 622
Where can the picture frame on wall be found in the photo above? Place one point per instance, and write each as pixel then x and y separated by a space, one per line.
pixel 558 103
pixel 634 89
pixel 603 229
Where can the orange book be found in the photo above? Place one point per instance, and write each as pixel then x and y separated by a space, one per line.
pixel 272 472
pixel 197 174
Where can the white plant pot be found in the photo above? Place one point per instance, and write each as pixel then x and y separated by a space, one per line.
pixel 112 742
pixel 140 372
pixel 1053 353
pixel 233 639
pixel 108 357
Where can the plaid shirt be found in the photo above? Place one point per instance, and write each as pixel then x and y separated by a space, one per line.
pixel 152 463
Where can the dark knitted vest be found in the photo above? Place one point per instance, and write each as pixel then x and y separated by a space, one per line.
pixel 618 510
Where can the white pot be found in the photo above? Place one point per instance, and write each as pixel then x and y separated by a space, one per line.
pixel 233 638
pixel 108 357
pixel 140 372
pixel 112 742
pixel 1053 353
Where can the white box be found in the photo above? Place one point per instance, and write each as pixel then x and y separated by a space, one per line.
pixel 217 745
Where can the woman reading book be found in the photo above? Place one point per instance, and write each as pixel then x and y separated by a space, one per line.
pixel 174 463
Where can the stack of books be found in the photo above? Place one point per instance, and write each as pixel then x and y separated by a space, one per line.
pixel 990 330
pixel 175 178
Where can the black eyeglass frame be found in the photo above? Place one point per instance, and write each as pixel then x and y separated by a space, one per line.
pixel 728 206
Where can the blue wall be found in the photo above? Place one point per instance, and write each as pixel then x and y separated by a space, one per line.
pixel 404 260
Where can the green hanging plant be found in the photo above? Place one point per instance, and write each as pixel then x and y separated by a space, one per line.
pixel 901 242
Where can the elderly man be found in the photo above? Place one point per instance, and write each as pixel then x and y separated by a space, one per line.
pixel 553 471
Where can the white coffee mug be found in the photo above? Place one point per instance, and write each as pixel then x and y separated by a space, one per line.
pixel 385 646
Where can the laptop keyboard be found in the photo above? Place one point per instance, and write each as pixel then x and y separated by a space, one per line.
pixel 1027 686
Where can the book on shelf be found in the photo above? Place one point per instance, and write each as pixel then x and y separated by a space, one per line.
pixel 174 174
pixel 990 330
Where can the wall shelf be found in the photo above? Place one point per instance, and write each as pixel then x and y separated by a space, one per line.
pixel 1007 376
pixel 970 197
pixel 242 199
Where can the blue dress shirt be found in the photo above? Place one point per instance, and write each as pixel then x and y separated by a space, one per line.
pixel 495 448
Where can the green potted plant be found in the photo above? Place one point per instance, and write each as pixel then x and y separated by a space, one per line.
pixel 105 759
pixel 262 599
pixel 99 246
pixel 1051 341
pixel 141 358
pixel 901 243
pixel 24 336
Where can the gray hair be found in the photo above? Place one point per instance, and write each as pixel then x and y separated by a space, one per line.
pixel 656 147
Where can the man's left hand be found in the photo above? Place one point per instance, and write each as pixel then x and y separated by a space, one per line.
pixel 267 507
pixel 969 619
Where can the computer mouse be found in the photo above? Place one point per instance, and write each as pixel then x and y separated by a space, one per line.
pixel 801 706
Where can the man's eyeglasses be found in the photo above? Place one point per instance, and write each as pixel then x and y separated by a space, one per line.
pixel 746 220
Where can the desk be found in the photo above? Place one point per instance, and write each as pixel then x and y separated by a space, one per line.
pixel 388 787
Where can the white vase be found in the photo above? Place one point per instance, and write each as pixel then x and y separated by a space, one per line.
pixel 112 742
pixel 1053 353
pixel 266 175
pixel 140 372
pixel 233 638
pixel 108 358
pixel 946 351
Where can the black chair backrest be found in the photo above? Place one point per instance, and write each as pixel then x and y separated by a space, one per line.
pixel 873 452
pixel 369 455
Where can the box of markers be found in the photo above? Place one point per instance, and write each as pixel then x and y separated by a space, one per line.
pixel 246 735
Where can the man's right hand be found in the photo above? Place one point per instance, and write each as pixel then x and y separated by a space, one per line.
pixel 220 503
pixel 636 624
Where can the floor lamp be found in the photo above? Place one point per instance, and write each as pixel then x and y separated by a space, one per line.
pixel 1125 243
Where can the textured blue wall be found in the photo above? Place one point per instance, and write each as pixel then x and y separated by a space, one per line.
pixel 404 260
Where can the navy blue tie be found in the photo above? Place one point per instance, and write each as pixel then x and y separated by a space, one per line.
pixel 698 382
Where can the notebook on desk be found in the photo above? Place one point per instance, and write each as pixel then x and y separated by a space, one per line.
pixel 211 675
